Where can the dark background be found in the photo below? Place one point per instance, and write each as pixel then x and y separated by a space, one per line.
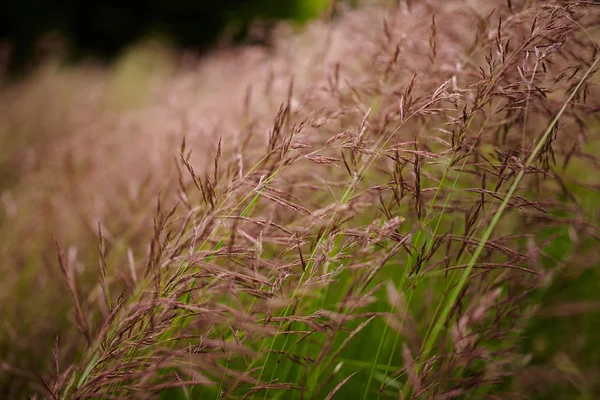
pixel 103 28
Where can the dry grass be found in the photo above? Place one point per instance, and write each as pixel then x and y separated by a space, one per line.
pixel 378 207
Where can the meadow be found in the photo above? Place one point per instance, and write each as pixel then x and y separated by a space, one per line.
pixel 398 200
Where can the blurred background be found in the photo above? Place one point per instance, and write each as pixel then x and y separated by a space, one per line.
pixel 84 87
pixel 31 29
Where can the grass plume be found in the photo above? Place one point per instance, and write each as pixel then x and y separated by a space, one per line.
pixel 400 201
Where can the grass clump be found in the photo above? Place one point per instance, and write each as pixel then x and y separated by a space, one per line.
pixel 381 207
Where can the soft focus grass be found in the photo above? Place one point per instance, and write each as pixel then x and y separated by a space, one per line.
pixel 88 147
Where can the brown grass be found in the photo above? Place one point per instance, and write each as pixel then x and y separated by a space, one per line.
pixel 293 222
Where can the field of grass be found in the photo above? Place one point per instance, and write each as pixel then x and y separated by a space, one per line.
pixel 400 201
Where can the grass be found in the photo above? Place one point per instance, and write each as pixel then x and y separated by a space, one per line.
pixel 399 202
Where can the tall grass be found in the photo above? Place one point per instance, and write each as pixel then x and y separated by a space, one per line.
pixel 382 206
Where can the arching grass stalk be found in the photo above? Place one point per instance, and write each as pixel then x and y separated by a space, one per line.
pixel 379 145
pixel 345 198
pixel 315 375
pixel 430 242
pixel 451 300
pixel 490 85
pixel 181 321
pixel 400 285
